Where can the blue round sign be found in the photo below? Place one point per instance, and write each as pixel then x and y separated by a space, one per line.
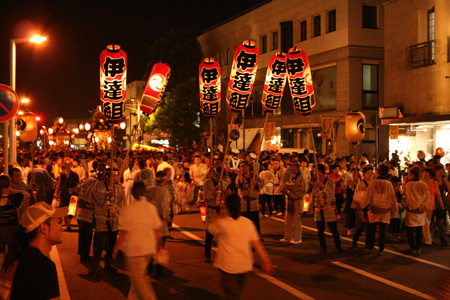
pixel 9 103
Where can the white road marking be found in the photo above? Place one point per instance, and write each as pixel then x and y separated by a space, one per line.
pixel 385 281
pixel 385 250
pixel 269 278
pixel 63 291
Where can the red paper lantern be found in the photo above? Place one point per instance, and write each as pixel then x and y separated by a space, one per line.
pixel 155 87
pixel 209 80
pixel 275 82
pixel 113 74
pixel 300 80
pixel 242 77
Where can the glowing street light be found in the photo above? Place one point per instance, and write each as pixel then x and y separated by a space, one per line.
pixel 61 120
pixel 24 100
pixel 12 155
pixel 38 39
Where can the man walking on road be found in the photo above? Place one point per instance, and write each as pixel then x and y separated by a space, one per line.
pixel 140 233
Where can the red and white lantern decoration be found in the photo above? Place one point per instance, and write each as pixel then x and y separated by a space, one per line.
pixel 209 84
pixel 113 81
pixel 275 82
pixel 300 80
pixel 154 90
pixel 242 77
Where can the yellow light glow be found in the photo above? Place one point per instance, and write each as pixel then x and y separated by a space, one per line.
pixel 42 131
pixel 122 125
pixel 38 118
pixel 17 133
pixel 50 130
pixel 38 39
pixel 87 126
pixel 60 120
pixel 20 112
pixel 76 131
pixel 24 100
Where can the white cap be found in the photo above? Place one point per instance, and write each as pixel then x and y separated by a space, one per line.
pixel 253 155
pixel 235 151
pixel 40 212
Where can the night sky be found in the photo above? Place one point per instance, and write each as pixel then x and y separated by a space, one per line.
pixel 61 76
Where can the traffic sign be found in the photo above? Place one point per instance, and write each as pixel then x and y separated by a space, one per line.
pixel 9 103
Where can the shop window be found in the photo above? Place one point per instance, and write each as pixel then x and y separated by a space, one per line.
pixel 332 20
pixel 275 40
pixel 431 30
pixel 264 44
pixel 316 29
pixel 370 90
pixel 228 57
pixel 369 17
pixel 303 30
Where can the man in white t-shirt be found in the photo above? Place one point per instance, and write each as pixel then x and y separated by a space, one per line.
pixel 236 236
pixel 140 235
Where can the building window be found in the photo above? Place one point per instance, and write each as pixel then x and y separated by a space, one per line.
pixel 369 17
pixel 228 56
pixel 370 86
pixel 303 30
pixel 275 40
pixel 332 20
pixel 431 29
pixel 220 58
pixel 316 31
pixel 264 44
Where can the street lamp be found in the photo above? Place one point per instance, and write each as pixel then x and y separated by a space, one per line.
pixel 12 74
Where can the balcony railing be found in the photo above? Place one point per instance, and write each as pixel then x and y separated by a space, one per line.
pixel 422 54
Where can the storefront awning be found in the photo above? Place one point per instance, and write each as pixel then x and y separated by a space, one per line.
pixel 436 119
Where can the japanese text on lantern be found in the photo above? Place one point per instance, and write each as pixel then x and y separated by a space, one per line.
pixel 113 74
pixel 275 82
pixel 300 80
pixel 209 80
pixel 242 77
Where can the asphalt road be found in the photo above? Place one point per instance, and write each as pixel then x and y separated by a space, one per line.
pixel 301 272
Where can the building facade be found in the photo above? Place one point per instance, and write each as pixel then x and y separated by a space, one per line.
pixel 345 44
pixel 135 90
pixel 417 60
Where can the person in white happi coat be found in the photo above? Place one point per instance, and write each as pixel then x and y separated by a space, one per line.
pixel 323 203
pixel 296 188
pixel 128 179
pixel 417 197
pixel 380 196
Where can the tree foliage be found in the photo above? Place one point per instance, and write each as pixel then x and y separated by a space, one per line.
pixel 178 113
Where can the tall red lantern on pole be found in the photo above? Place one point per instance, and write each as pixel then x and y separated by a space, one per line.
pixel 113 81
pixel 209 86
pixel 302 89
pixel 155 87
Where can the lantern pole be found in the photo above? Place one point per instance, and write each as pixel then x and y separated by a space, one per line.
pixel 211 138
pixel 260 144
pixel 314 147
pixel 233 115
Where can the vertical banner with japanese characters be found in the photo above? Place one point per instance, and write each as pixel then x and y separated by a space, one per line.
pixel 327 128
pixel 209 84
pixel 269 130
pixel 113 81
pixel 300 81
pixel 242 77
pixel 275 82
pixel 155 87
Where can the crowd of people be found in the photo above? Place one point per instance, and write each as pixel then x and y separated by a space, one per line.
pixel 129 200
